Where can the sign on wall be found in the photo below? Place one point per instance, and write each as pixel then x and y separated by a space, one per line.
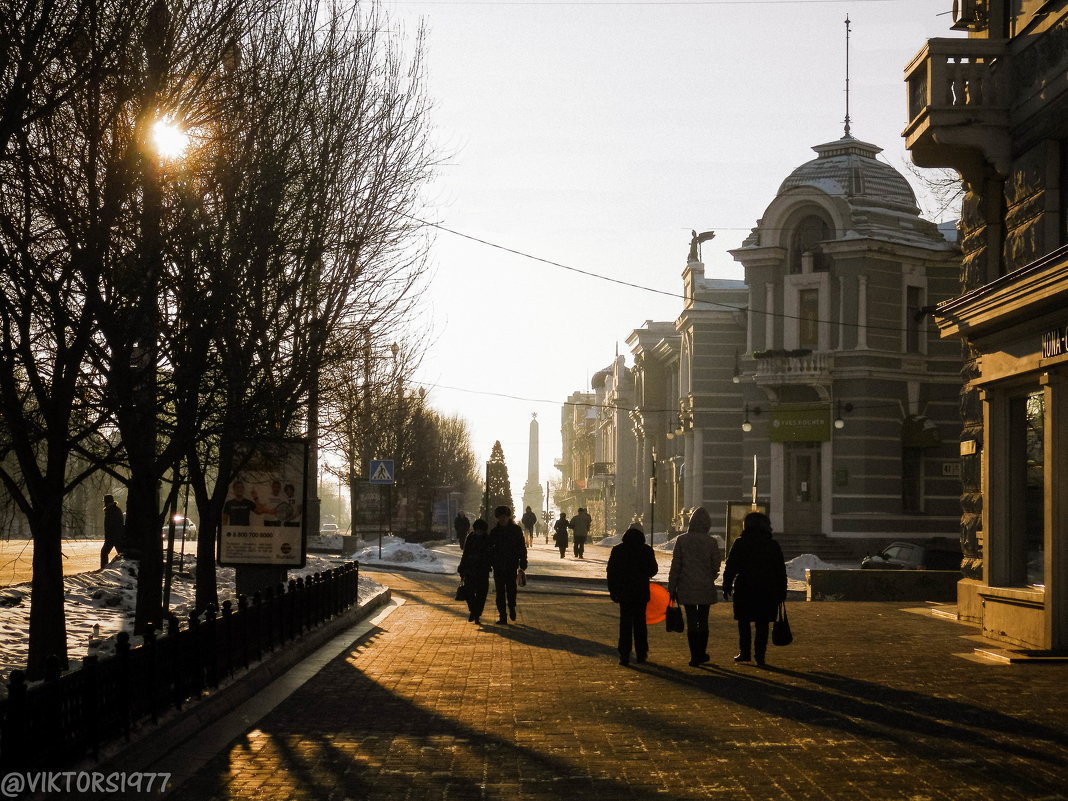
pixel 263 516
pixel 801 422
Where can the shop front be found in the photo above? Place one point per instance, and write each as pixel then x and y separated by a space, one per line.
pixel 1018 328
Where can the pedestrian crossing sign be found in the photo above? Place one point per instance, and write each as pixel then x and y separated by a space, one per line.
pixel 381 471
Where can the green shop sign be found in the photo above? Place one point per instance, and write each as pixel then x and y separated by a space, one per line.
pixel 802 422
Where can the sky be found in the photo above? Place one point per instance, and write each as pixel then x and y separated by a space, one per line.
pixel 592 137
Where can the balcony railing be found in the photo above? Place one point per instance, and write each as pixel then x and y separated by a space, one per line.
pixel 601 470
pixel 958 94
pixel 807 369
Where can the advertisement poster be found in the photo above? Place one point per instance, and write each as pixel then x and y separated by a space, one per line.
pixel 263 516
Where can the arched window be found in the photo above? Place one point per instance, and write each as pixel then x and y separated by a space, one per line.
pixel 812 230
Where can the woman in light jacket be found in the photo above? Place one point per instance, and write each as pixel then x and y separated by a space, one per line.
pixel 695 564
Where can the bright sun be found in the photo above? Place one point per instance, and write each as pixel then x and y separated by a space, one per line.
pixel 170 140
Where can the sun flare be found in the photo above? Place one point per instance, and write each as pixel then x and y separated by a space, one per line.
pixel 170 140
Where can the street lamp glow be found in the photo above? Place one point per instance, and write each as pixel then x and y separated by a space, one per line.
pixel 169 139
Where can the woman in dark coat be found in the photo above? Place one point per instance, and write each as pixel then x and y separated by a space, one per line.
pixel 475 565
pixel 756 574
pixel 560 533
pixel 630 566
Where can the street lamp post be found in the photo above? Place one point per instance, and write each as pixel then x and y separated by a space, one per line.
pixel 652 499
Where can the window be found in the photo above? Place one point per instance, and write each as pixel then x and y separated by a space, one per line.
pixel 806 237
pixel 808 322
pixel 913 304
pixel 912 480
pixel 1026 552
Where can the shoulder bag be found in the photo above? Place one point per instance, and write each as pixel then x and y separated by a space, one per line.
pixel 780 629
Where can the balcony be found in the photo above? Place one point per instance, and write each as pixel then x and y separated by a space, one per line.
pixel 958 106
pixel 600 472
pixel 777 368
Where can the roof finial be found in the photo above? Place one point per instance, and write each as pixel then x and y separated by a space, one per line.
pixel 847 136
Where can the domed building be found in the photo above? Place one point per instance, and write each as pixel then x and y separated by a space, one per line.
pixel 849 400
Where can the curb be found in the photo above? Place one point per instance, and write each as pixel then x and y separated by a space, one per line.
pixel 172 731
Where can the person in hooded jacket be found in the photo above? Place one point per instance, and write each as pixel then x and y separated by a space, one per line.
pixel 630 566
pixel 695 563
pixel 474 568
pixel 756 574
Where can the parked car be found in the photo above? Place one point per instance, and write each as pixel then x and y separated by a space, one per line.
pixel 328 528
pixel 910 556
pixel 184 528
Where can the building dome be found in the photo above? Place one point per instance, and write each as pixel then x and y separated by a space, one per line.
pixel 848 169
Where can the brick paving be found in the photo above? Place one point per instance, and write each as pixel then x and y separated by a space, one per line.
pixel 870 702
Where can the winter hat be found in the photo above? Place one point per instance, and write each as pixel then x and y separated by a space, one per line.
pixel 633 535
pixel 700 521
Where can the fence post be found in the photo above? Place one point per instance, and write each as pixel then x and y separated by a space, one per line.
pixel 228 637
pixel 124 680
pixel 174 660
pixel 211 647
pixel 148 674
pixel 192 653
pixel 14 742
pixel 94 698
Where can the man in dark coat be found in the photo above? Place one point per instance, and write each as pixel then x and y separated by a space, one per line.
pixel 756 574
pixel 462 526
pixel 630 566
pixel 580 524
pixel 509 550
pixel 114 531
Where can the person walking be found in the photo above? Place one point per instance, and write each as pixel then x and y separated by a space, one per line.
pixel 695 563
pixel 560 533
pixel 756 575
pixel 509 555
pixel 630 566
pixel 529 520
pixel 475 565
pixel 580 524
pixel 462 525
pixel 114 531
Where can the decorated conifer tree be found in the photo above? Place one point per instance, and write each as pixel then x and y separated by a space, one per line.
pixel 498 487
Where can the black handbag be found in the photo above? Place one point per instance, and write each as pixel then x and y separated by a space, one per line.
pixel 780 629
pixel 674 618
pixel 461 591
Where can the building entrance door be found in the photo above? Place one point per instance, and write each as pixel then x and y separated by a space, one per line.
pixel 802 505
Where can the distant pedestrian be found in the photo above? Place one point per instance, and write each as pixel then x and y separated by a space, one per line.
pixel 630 566
pixel 509 550
pixel 560 533
pixel 529 520
pixel 580 524
pixel 474 569
pixel 756 574
pixel 462 526
pixel 114 531
pixel 695 563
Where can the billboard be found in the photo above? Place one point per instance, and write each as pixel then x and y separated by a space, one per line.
pixel 263 517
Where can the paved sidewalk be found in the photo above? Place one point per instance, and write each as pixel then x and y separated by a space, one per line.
pixel 872 701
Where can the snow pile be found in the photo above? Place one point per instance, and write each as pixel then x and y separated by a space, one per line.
pixel 797 566
pixel 397 551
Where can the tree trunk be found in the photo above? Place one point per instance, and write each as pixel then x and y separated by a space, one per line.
pixel 48 629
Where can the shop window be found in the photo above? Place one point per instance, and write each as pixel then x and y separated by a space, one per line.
pixel 1026 552
pixel 808 322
